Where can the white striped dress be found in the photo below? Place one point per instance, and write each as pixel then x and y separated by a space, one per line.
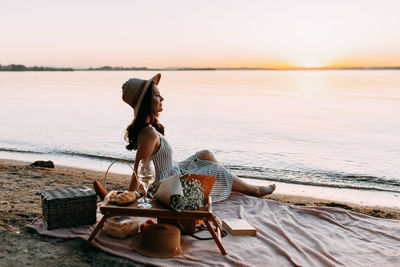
pixel 165 167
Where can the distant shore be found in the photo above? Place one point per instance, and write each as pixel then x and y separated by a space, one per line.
pixel 19 67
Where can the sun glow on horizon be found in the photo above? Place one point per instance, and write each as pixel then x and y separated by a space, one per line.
pixel 311 63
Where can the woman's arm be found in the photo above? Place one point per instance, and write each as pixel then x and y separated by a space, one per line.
pixel 148 141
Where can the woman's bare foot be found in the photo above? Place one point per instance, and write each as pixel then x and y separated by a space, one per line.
pixel 265 190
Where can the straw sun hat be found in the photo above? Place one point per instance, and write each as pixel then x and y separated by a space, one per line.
pixel 133 91
pixel 160 241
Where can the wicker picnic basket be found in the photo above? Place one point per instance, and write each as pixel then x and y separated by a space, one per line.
pixel 69 207
pixel 108 169
pixel 101 191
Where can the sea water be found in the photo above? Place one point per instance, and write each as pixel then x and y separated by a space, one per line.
pixel 331 128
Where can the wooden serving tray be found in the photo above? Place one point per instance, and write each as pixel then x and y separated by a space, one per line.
pixel 160 211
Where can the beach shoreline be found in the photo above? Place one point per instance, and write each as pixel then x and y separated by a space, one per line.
pixel 22 184
pixel 317 194
pixel 294 194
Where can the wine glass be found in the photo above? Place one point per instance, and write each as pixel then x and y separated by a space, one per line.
pixel 147 176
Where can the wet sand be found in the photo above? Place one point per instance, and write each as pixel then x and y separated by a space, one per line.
pixel 20 189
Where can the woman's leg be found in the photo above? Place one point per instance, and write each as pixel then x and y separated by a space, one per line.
pixel 239 185
pixel 207 155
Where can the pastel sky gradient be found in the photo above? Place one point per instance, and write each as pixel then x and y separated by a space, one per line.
pixel 217 33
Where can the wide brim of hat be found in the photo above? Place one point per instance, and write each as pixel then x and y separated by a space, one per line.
pixel 155 80
pixel 136 245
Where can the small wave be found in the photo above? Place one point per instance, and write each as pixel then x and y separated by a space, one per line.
pixel 20 151
pixel 319 178
pixel 348 186
pixel 68 153
pixel 94 156
pixel 371 179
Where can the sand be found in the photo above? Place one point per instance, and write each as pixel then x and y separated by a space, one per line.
pixel 20 189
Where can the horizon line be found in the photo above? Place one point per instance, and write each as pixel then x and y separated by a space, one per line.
pixel 20 67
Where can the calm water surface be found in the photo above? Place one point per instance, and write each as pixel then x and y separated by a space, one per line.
pixel 329 128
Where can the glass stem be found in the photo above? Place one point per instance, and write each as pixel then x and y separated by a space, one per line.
pixel 145 194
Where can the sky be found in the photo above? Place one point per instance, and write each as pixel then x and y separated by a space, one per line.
pixel 188 33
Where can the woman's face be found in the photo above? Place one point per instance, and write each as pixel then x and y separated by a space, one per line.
pixel 156 100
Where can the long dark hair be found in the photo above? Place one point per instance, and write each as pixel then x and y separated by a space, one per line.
pixel 133 130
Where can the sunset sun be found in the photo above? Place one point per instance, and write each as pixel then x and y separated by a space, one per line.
pixel 311 63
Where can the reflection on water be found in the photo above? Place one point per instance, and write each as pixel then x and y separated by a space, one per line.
pixel 295 123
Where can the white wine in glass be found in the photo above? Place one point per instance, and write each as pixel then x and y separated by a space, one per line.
pixel 147 176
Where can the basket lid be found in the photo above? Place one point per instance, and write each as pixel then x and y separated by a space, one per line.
pixel 67 193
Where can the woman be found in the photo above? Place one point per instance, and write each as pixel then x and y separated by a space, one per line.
pixel 146 135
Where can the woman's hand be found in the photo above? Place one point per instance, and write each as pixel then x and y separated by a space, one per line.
pixel 134 183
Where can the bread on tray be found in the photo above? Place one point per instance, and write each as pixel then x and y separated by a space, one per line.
pixel 123 198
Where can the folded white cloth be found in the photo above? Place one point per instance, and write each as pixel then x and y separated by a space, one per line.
pixel 168 187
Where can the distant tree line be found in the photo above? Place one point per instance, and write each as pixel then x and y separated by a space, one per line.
pixel 195 69
pixel 144 68
pixel 118 68
pixel 16 67
pixel 19 67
